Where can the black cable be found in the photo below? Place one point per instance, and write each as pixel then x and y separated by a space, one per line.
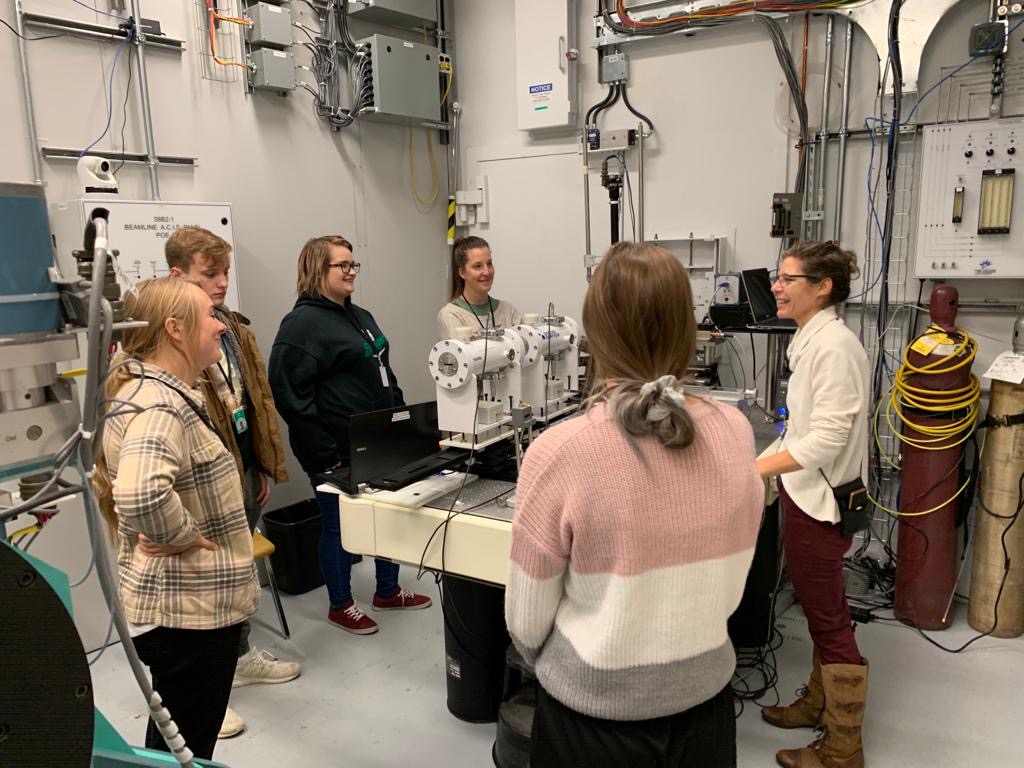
pixel 891 171
pixel 616 94
pixel 603 103
pixel 127 93
pixel 30 39
pixel 785 58
pixel 641 115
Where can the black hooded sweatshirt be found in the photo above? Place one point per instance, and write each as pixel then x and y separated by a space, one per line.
pixel 326 366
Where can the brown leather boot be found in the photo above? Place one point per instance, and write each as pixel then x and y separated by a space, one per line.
pixel 846 690
pixel 806 711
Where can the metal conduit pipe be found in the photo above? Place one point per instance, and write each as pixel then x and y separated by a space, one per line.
pixel 26 92
pixel 640 183
pixel 844 132
pixel 147 113
pixel 586 205
pixel 826 93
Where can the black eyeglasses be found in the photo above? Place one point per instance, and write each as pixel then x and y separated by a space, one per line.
pixel 346 266
pixel 790 279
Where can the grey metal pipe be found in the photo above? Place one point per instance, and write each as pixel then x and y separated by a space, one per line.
pixel 826 94
pixel 844 131
pixel 640 183
pixel 147 113
pixel 586 205
pixel 26 92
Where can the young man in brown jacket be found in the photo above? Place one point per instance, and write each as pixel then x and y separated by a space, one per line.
pixel 241 406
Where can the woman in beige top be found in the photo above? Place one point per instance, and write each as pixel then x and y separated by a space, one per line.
pixel 171 492
pixel 471 304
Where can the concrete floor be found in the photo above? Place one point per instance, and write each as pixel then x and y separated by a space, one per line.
pixel 379 700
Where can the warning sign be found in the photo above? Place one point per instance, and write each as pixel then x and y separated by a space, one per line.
pixel 540 95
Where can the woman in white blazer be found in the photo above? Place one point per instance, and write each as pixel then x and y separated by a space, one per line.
pixel 825 443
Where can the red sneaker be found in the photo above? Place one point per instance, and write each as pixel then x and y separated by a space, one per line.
pixel 353 620
pixel 401 600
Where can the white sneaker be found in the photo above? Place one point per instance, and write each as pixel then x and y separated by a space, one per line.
pixel 232 725
pixel 260 667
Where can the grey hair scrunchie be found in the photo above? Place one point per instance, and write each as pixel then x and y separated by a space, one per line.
pixel 668 390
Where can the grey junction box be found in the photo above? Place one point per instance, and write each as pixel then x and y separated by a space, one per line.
pixel 405 79
pixel 275 70
pixel 397 13
pixel 271 25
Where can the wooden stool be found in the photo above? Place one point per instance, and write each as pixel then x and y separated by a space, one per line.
pixel 262 549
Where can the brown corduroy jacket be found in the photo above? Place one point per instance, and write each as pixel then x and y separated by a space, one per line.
pixel 266 437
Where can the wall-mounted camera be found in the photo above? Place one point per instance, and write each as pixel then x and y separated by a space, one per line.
pixel 96 175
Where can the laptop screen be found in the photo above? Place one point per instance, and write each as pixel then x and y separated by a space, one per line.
pixel 758 286
pixel 383 441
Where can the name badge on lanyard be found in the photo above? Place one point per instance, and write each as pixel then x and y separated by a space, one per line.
pixel 377 353
pixel 380 360
pixel 239 420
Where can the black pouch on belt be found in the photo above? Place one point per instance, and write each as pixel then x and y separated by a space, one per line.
pixel 854 506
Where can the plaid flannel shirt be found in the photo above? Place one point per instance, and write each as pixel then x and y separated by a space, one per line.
pixel 173 478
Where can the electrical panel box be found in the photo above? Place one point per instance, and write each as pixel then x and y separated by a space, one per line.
pixel 969 224
pixel 138 231
pixel 546 69
pixel 271 25
pixel 275 70
pixel 787 214
pixel 405 76
pixel 395 13
pixel 614 68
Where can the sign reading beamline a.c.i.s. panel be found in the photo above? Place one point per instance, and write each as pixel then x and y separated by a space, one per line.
pixel 138 230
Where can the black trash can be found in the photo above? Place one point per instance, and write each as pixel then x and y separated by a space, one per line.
pixel 475 639
pixel 295 533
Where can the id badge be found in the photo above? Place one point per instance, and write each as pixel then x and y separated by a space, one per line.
pixel 384 376
pixel 239 420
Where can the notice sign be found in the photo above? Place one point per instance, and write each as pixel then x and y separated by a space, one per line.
pixel 540 95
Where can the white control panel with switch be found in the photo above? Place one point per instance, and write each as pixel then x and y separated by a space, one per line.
pixel 727 289
pixel 969 224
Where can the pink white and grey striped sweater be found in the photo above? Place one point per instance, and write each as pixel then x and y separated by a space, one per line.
pixel 627 563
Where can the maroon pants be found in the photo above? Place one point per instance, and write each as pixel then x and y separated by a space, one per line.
pixel 814 555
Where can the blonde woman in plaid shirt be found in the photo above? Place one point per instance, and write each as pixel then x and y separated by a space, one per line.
pixel 171 492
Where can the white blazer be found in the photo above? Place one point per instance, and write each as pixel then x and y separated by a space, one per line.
pixel 828 409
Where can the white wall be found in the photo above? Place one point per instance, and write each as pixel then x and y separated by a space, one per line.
pixel 720 150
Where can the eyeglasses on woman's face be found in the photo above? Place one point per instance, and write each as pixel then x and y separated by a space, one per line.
pixel 346 267
pixel 790 279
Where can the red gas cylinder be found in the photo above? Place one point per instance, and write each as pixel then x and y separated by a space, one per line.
pixel 936 399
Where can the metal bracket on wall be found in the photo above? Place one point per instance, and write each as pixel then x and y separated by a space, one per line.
pixel 99 31
pixel 916 26
pixel 472 206
pixel 60 153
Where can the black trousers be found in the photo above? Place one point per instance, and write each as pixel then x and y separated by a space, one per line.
pixel 192 671
pixel 701 737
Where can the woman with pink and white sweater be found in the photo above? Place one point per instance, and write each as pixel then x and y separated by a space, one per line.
pixel 634 531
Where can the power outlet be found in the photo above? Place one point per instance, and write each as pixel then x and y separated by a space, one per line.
pixel 727 289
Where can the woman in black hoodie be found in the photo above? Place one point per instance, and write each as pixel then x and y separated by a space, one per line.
pixel 330 361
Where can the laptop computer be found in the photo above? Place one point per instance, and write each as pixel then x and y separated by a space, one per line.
pixel 394 447
pixel 763 316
